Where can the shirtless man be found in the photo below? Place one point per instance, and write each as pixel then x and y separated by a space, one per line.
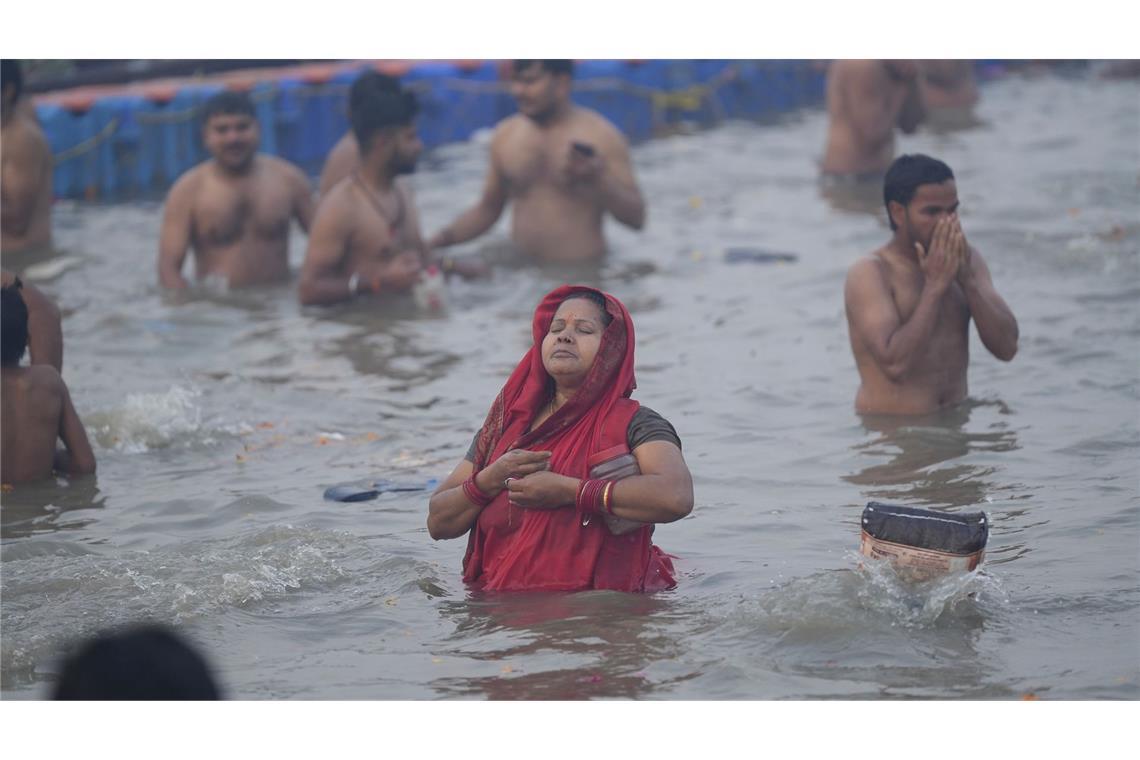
pixel 36 405
pixel 562 166
pixel 909 304
pixel 366 235
pixel 233 209
pixel 949 92
pixel 25 169
pixel 866 101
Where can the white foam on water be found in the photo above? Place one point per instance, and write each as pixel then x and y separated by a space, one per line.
pixel 148 421
pixel 174 584
pixel 913 603
pixel 184 582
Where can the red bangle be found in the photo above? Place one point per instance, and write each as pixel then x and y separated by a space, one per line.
pixel 474 495
pixel 592 496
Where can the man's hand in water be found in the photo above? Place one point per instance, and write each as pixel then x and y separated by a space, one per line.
pixel 400 273
pixel 467 267
pixel 403 271
pixel 584 165
pixel 941 263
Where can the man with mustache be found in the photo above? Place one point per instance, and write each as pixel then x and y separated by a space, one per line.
pixel 233 209
pixel 366 236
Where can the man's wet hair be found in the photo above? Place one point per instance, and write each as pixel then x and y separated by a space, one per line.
pixel 11 76
pixel 147 662
pixel 554 67
pixel 597 299
pixel 368 83
pixel 13 326
pixel 227 103
pixel 906 174
pixel 376 103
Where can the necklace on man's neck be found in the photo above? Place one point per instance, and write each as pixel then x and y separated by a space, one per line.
pixel 394 220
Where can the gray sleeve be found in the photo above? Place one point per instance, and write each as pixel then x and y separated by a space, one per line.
pixel 647 425
pixel 470 455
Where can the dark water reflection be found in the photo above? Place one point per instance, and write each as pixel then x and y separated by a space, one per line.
pixel 921 452
pixel 540 630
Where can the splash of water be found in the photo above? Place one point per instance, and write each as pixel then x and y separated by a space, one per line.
pixel 148 421
pixel 920 603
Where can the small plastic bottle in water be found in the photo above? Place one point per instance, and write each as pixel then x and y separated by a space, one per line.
pixel 429 291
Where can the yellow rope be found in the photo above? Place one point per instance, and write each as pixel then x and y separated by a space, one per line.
pixel 87 145
pixel 688 99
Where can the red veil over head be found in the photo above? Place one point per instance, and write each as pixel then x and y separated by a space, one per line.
pixel 511 548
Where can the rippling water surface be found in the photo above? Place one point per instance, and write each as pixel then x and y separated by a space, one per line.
pixel 219 422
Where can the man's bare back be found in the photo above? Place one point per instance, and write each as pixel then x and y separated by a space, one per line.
pixel 909 307
pixel 237 226
pixel 36 406
pixel 32 404
pixel 25 185
pixel 866 101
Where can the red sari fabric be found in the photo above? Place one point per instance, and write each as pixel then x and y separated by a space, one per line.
pixel 515 549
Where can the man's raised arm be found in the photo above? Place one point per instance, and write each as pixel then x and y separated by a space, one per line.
pixel 997 327
pixel 480 217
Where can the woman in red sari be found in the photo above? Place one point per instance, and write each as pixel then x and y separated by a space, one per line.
pixel 542 491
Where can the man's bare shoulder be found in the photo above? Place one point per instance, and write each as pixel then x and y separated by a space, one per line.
pixel 26 136
pixel 338 203
pixel 867 270
pixel 591 119
pixel 276 167
pixel 868 265
pixel 35 378
pixel 509 129
pixel 189 182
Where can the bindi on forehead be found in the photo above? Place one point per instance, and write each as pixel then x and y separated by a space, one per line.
pixel 573 317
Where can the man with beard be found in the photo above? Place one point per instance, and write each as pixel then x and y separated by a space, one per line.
pixel 233 209
pixel 909 304
pixel 366 236
pixel 563 167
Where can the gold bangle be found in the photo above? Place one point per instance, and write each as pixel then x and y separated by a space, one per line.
pixel 609 510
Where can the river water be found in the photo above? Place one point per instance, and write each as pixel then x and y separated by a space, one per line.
pixel 219 422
